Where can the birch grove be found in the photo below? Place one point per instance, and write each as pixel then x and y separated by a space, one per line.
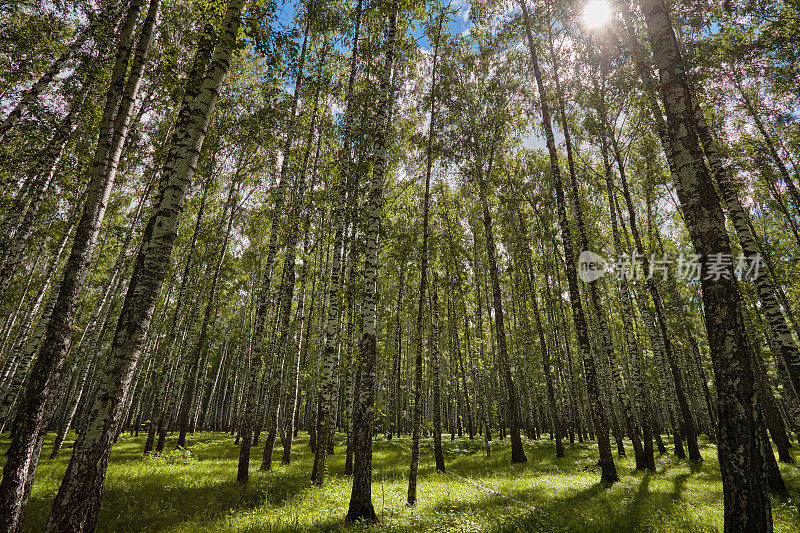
pixel 410 247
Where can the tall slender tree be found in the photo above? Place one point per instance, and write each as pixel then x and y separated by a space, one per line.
pixel 77 503
pixel 423 283
pixel 26 446
pixel 740 424
pixel 360 507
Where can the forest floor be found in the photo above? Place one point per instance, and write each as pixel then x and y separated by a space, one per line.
pixel 195 490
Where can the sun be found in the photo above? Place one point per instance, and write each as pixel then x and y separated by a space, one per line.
pixel 596 14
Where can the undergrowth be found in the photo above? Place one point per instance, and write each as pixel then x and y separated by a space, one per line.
pixel 194 489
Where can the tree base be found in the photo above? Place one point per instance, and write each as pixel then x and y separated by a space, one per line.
pixel 519 459
pixel 359 512
pixel 609 478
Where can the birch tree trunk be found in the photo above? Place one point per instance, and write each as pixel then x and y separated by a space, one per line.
pixel 201 344
pixel 773 152
pixel 644 460
pixel 609 470
pixel 360 507
pixel 293 380
pixel 517 452
pixel 88 355
pixel 78 500
pixel 485 415
pixel 287 292
pixel 249 421
pixel 423 286
pixel 23 351
pixel 300 346
pixel 777 327
pixel 558 426
pixel 13 391
pixel 434 350
pixel 327 358
pixel 168 382
pixel 685 423
pixel 746 497
pixel 23 454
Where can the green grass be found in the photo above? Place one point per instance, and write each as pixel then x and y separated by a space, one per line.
pixel 196 491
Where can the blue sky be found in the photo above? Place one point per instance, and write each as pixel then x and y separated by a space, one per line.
pixel 286 12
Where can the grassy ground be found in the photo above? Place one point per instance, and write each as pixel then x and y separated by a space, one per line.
pixel 196 491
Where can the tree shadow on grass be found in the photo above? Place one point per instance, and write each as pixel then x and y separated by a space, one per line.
pixel 679 482
pixel 598 508
pixel 161 501
pixel 162 493
pixel 532 509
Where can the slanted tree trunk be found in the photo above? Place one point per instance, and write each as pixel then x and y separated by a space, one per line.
pixel 32 94
pixel 165 393
pixel 777 327
pixel 97 325
pixel 620 400
pixel 26 346
pixel 695 357
pixel 643 454
pixel 14 248
pixel 87 357
pixel 685 424
pixel 11 319
pixel 770 144
pixel 13 393
pixel 77 503
pixel 741 446
pixel 23 454
pixel 608 469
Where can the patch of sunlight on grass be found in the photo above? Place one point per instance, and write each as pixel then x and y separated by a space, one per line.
pixel 195 490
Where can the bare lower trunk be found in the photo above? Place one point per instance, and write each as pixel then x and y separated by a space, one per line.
pixel 25 447
pixel 741 446
pixel 360 507
pixel 609 470
pixel 77 503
